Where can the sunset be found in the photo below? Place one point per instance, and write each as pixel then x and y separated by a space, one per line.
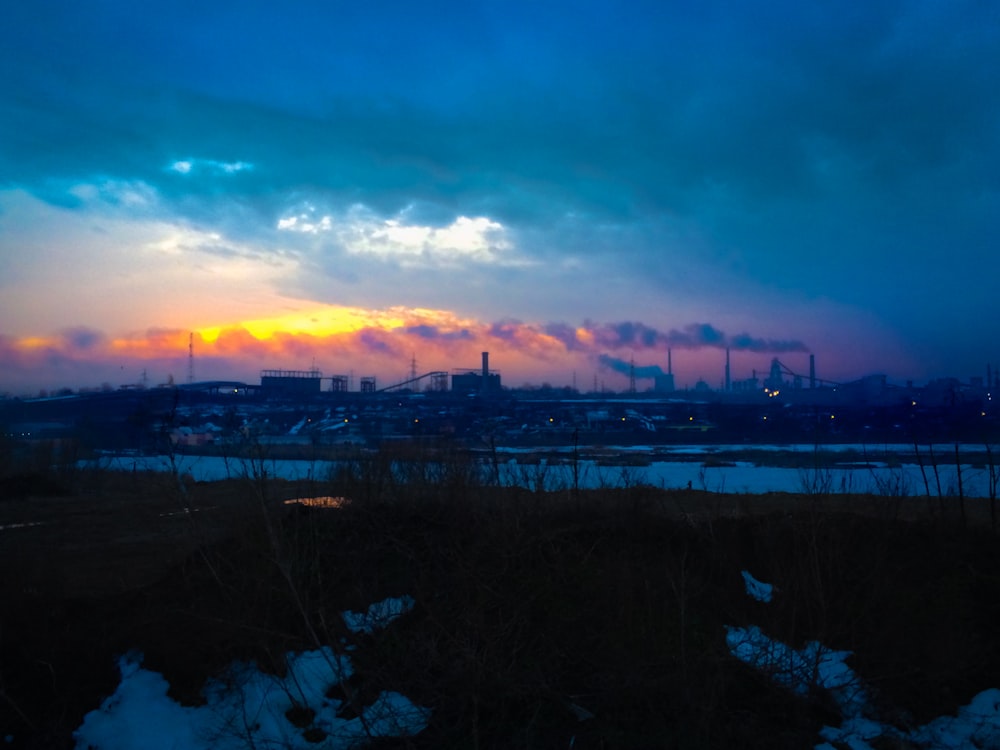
pixel 500 375
pixel 352 189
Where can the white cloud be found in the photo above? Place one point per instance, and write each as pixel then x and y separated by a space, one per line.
pixel 360 231
pixel 128 194
pixel 476 237
pixel 213 166
pixel 232 166
pixel 305 224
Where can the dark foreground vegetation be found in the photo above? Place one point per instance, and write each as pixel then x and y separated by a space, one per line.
pixel 559 620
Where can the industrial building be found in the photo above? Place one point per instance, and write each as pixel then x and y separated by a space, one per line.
pixel 291 382
pixel 299 383
pixel 664 382
pixel 473 381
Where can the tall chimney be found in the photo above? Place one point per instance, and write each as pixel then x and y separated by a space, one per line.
pixel 486 367
pixel 812 370
pixel 670 364
pixel 728 382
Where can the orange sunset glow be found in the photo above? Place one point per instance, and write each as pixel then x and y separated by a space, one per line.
pixel 386 344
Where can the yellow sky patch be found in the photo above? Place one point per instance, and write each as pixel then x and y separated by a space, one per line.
pixel 35 342
pixel 333 321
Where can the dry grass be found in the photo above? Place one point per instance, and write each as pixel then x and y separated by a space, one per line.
pixel 530 607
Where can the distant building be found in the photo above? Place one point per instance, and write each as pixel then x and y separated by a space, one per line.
pixel 663 383
pixel 747 385
pixel 473 381
pixel 290 382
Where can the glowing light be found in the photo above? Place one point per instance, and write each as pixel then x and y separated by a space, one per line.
pixel 210 335
pixel 326 501
pixel 35 342
pixel 322 323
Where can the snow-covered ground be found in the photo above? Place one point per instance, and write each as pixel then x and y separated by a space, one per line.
pixel 814 666
pixel 247 708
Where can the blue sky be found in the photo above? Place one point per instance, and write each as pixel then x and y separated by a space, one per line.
pixel 822 177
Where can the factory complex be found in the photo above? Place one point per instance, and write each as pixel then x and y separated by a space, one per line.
pixel 307 410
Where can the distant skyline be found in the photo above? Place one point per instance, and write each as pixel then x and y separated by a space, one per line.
pixel 564 185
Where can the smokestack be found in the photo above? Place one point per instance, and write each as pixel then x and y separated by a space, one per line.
pixel 812 370
pixel 670 365
pixel 486 366
pixel 728 382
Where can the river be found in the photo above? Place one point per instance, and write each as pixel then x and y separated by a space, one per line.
pixel 892 470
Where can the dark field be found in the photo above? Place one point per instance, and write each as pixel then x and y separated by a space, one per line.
pixel 528 606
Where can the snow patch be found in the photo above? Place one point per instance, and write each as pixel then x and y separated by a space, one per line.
pixel 379 615
pixel 248 708
pixel 762 592
pixel 814 666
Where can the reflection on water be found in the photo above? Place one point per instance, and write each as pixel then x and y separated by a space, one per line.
pixel 555 472
pixel 326 501
pixel 25 525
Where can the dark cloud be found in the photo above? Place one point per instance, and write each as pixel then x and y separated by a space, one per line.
pixel 433 333
pixel 693 336
pixel 506 330
pixel 738 97
pixel 634 334
pixel 746 342
pixel 83 339
pixel 564 333
pixel 697 335
pixel 376 340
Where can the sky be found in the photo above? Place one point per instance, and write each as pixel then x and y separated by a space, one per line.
pixel 366 187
